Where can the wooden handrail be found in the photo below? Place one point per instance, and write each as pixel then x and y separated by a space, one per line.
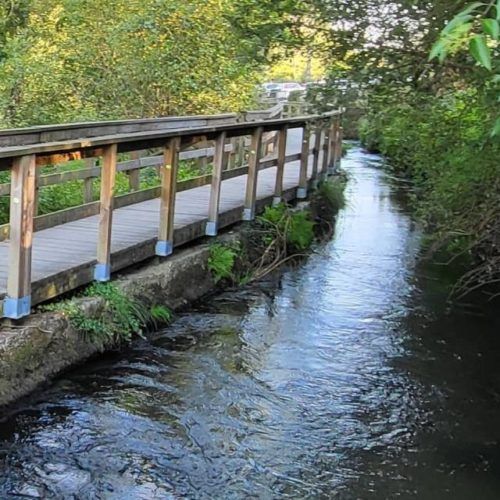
pixel 143 140
pixel 24 159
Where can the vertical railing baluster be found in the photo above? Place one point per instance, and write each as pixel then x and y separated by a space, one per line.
pixel 339 147
pixel 102 271
pixel 17 303
pixel 332 146
pixel 88 194
pixel 220 162
pixel 325 147
pixel 252 177
pixel 316 151
pixel 278 186
pixel 304 161
pixel 165 244
pixel 134 180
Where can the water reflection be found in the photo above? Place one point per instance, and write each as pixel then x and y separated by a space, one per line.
pixel 341 380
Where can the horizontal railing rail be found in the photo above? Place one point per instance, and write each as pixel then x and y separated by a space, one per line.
pixel 232 156
pixel 68 131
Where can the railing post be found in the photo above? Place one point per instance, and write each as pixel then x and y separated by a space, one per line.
pixel 332 147
pixel 37 192
pixel 88 194
pixel 241 152
pixel 220 162
pixel 253 169
pixel 325 147
pixel 278 187
pixel 165 244
pixel 17 303
pixel 317 149
pixel 134 181
pixel 102 271
pixel 304 161
pixel 233 153
pixel 339 147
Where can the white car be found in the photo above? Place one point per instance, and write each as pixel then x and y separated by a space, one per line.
pixel 287 88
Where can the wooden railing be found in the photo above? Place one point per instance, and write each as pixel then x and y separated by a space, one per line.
pixel 100 145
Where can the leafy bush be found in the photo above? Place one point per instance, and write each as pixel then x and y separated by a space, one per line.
pixel 444 144
pixel 296 227
pixel 221 261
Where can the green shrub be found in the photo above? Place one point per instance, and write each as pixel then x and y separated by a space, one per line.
pixel 221 261
pixel 296 227
pixel 444 144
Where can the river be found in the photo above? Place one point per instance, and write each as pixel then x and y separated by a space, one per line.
pixel 344 378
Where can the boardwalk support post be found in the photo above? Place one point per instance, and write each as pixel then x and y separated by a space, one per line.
pixel 17 303
pixel 278 189
pixel 304 160
pixel 165 244
pixel 102 271
pixel 220 162
pixel 253 169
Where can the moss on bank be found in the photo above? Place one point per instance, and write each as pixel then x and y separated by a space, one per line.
pixel 116 317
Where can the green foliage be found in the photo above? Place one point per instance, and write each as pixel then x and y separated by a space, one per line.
pixel 222 260
pixel 160 314
pixel 476 26
pixel 444 144
pixel 68 60
pixel 296 227
pixel 332 192
pixel 117 321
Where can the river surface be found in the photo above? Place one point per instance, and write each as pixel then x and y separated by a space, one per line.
pixel 344 378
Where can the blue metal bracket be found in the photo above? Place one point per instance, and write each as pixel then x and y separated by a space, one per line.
pixel 15 308
pixel 164 248
pixel 301 193
pixel 211 228
pixel 102 272
pixel 248 214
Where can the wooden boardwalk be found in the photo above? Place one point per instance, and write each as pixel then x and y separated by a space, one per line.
pixel 64 254
pixel 85 245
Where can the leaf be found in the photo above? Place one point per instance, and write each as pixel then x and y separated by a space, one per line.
pixel 480 51
pixel 496 128
pixel 498 10
pixel 438 50
pixel 491 27
pixel 472 8
pixel 457 21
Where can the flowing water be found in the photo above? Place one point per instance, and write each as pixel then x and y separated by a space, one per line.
pixel 345 378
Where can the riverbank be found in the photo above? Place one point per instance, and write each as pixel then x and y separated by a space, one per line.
pixel 68 332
